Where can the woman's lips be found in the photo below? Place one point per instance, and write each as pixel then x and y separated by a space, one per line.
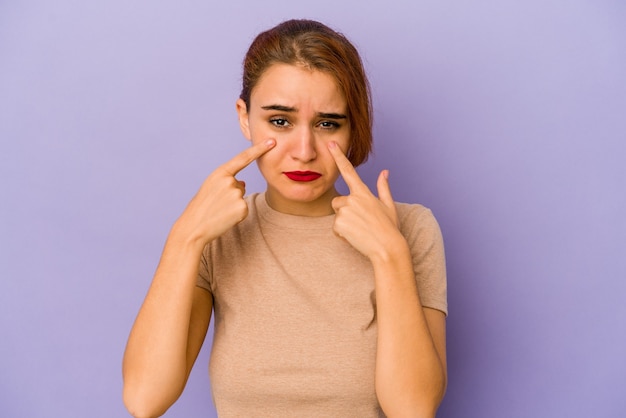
pixel 302 175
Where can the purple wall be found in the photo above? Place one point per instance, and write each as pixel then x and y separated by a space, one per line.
pixel 507 118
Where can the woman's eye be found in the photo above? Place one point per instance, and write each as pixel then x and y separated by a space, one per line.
pixel 328 124
pixel 281 123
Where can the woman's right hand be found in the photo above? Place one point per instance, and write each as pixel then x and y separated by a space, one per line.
pixel 219 204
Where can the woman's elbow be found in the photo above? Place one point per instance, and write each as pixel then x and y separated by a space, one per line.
pixel 421 404
pixel 138 407
pixel 140 403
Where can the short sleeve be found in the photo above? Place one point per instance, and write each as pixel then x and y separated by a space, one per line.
pixel 423 234
pixel 205 278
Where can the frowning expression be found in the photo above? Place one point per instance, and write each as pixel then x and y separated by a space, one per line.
pixel 303 110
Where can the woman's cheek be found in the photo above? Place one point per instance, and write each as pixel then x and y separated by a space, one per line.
pixel 271 156
pixel 259 131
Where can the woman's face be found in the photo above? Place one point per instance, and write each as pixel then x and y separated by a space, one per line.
pixel 303 110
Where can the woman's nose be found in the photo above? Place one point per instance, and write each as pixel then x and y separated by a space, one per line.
pixel 303 145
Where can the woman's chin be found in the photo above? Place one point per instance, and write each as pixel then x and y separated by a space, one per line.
pixel 300 195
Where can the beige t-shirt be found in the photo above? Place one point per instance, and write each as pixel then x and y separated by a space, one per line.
pixel 295 324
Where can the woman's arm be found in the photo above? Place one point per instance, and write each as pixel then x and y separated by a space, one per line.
pixel 167 334
pixel 411 372
pixel 172 322
pixel 410 359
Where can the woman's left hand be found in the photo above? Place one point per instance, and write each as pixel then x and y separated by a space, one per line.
pixel 367 222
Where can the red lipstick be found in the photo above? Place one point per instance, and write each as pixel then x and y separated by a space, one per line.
pixel 302 175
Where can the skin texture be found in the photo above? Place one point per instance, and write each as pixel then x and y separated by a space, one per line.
pixel 296 122
pixel 292 104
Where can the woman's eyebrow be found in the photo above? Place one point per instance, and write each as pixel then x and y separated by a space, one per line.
pixel 331 115
pixel 280 108
pixel 289 109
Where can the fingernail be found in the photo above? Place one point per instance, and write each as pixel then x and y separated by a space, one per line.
pixel 269 142
pixel 332 144
pixel 386 174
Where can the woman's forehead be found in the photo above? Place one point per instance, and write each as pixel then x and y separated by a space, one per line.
pixel 298 86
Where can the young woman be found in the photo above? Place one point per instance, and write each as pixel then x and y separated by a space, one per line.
pixel 325 305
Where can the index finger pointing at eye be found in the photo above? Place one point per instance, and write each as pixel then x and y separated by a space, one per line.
pixel 247 156
pixel 346 168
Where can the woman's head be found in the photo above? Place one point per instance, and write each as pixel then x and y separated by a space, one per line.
pixel 317 47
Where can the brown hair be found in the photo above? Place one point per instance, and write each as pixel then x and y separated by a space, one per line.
pixel 316 46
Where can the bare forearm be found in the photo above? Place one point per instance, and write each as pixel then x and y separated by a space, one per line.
pixel 155 361
pixel 173 320
pixel 410 377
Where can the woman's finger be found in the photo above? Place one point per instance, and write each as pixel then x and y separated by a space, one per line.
pixel 347 170
pixel 384 192
pixel 247 156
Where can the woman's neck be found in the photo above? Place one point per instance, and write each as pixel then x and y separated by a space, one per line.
pixel 322 206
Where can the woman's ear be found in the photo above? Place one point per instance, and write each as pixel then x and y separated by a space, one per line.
pixel 244 122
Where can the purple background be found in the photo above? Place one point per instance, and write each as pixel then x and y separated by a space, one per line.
pixel 507 118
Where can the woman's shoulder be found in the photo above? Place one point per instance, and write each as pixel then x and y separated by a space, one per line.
pixel 415 218
pixel 412 211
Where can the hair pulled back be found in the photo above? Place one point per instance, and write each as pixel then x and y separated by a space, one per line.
pixel 316 46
